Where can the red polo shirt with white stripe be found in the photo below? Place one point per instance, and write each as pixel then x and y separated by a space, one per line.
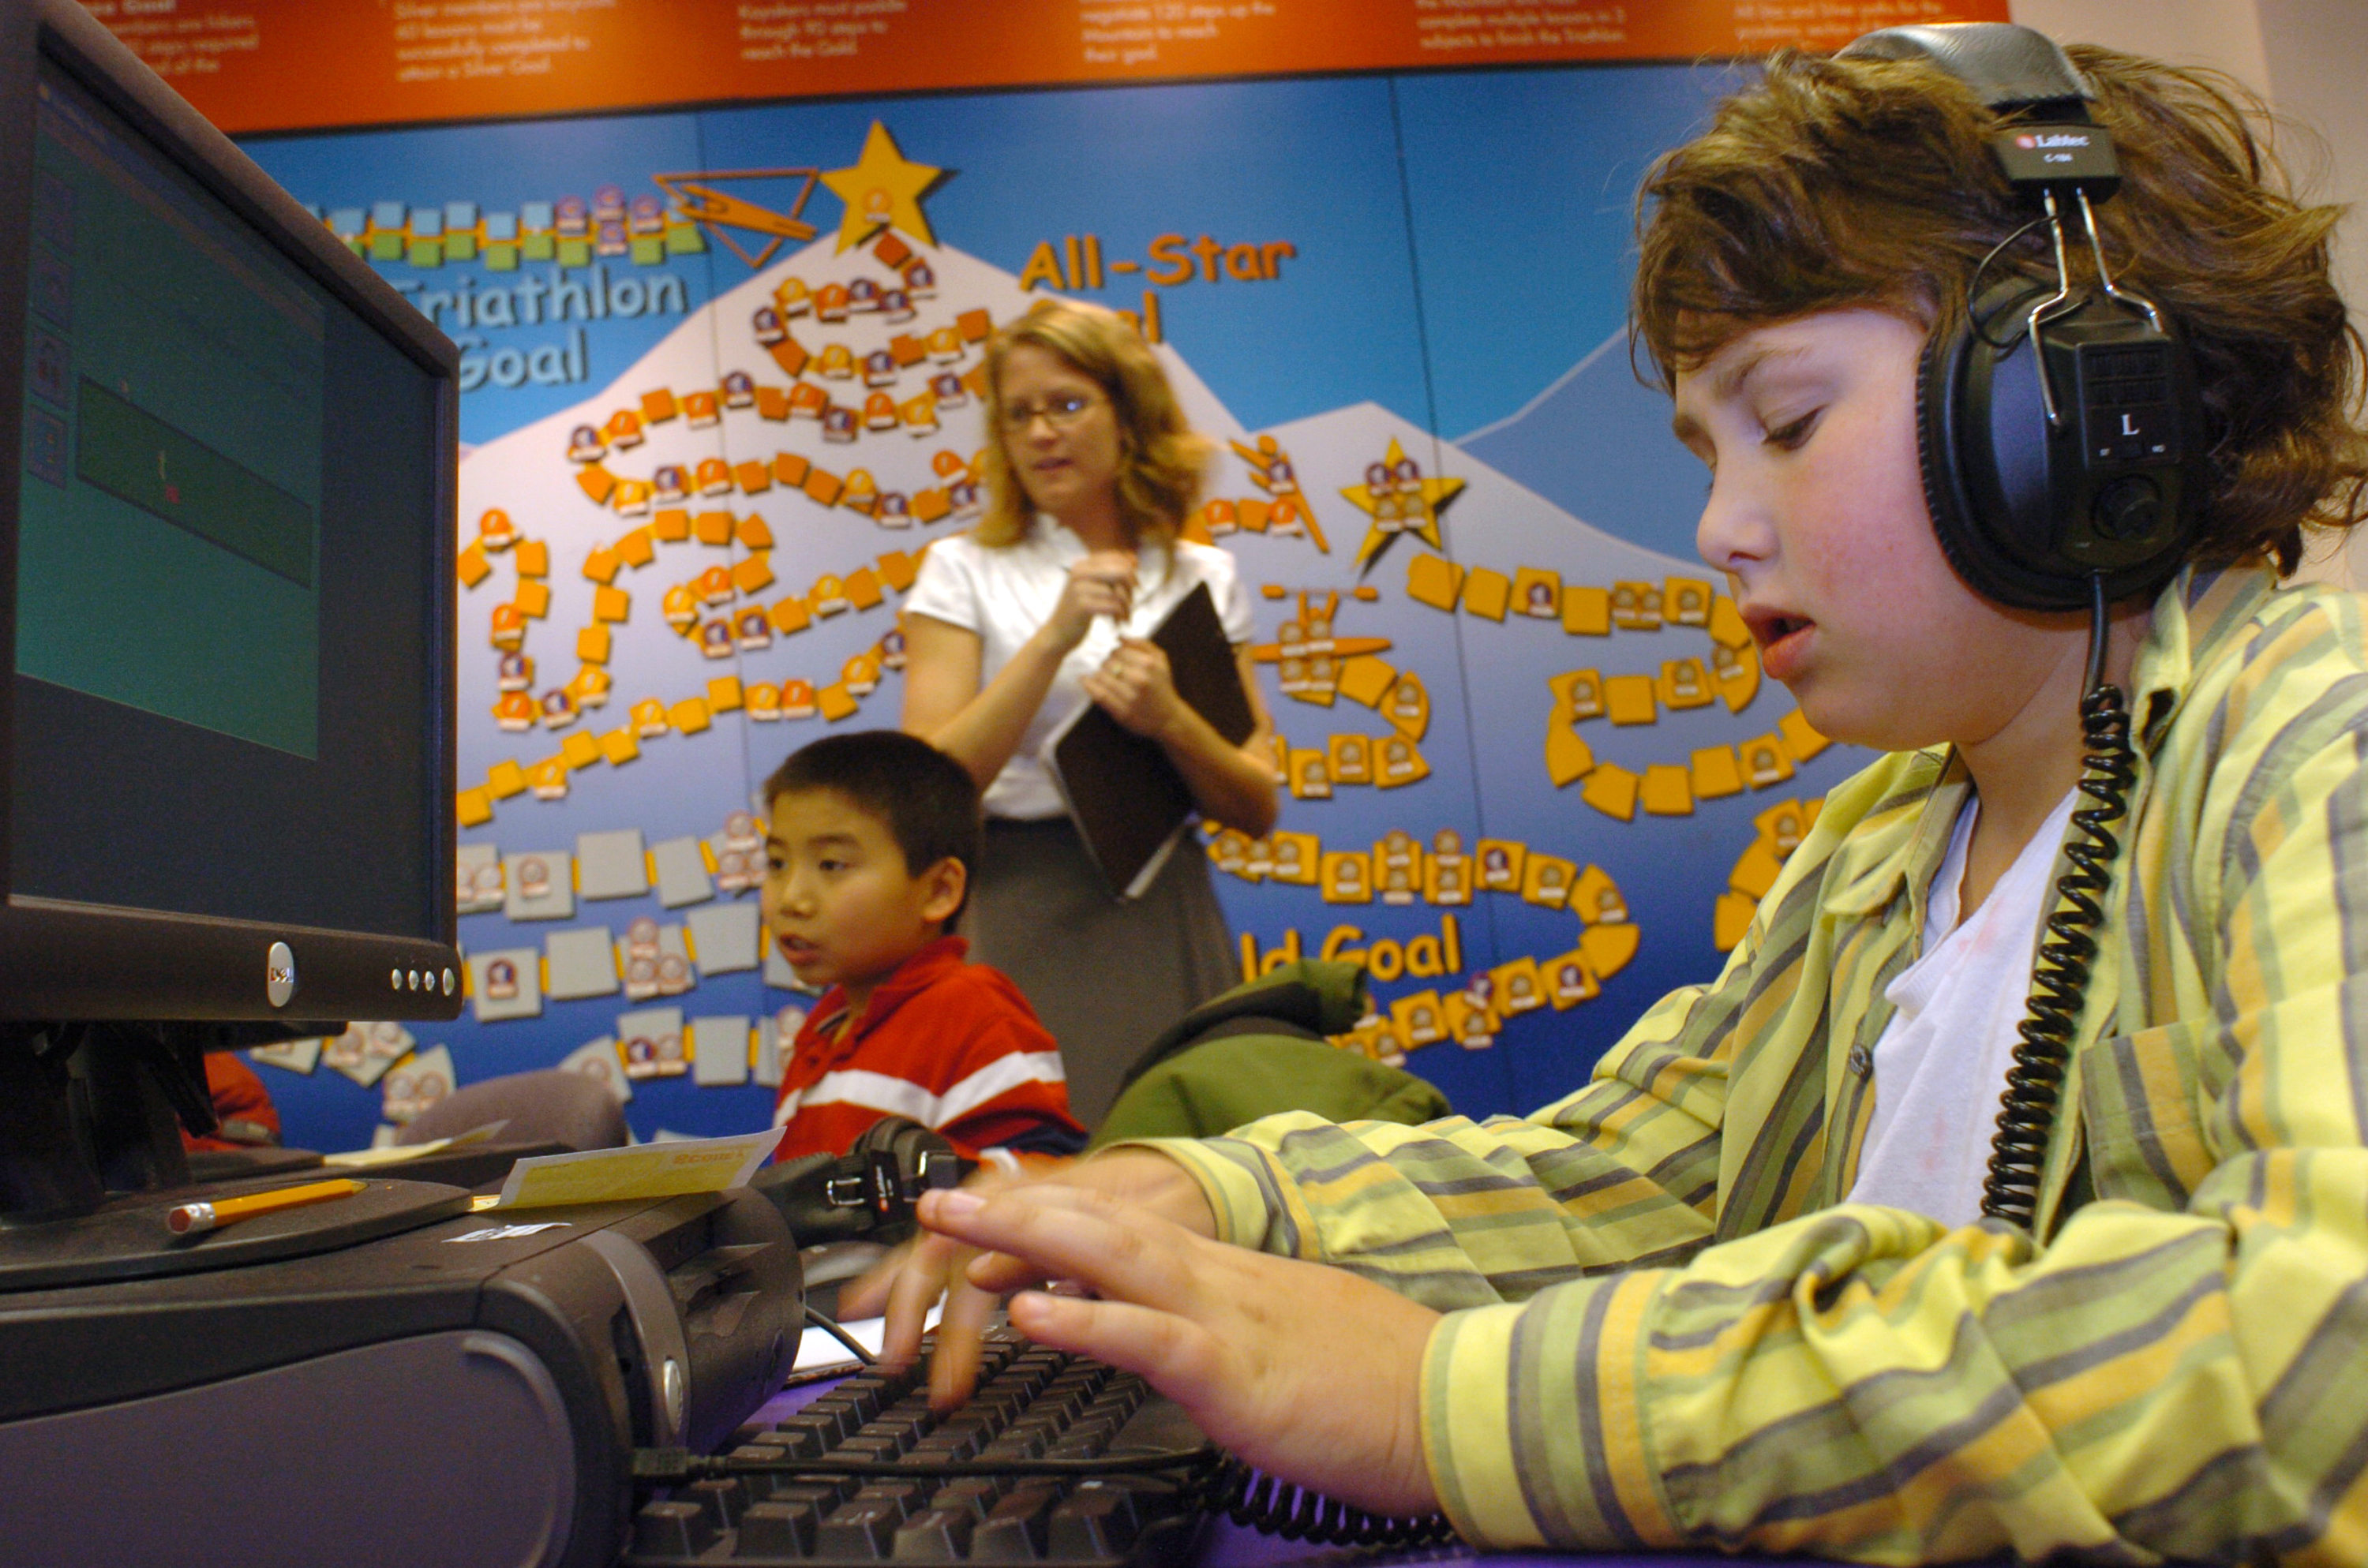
pixel 951 1045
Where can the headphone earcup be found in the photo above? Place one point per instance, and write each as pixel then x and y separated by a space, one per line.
pixel 2025 513
pixel 1983 437
pixel 1937 372
pixel 2008 498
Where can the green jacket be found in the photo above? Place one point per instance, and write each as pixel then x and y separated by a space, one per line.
pixel 1252 1068
pixel 1664 1332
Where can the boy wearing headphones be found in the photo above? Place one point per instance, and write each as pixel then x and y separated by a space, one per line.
pixel 1750 1287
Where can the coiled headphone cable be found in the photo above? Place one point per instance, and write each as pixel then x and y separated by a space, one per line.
pixel 2035 1086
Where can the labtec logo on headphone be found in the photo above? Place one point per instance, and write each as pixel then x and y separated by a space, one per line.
pixel 2053 153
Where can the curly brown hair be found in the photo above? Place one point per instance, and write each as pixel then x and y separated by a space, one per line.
pixel 1162 462
pixel 1839 182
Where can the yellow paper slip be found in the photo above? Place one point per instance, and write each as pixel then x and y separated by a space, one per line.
pixel 384 1155
pixel 647 1170
pixel 396 1154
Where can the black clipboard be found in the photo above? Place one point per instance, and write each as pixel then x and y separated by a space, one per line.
pixel 1129 801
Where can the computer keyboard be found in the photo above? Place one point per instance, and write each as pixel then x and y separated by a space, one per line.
pixel 885 1490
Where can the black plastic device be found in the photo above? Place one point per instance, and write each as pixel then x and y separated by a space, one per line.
pixel 868 1193
pixel 469 1392
pixel 226 499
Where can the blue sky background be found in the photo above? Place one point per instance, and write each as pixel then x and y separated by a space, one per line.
pixel 1522 187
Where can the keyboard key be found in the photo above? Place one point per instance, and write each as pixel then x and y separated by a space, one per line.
pixel 910 1496
pixel 768 1487
pixel 1088 1379
pixel 672 1530
pixel 985 1419
pixel 1014 1531
pixel 1098 1521
pixel 979 1493
pixel 805 1444
pixel 860 1528
pixel 777 1530
pixel 948 1448
pixel 841 1414
pixel 721 1498
pixel 1020 1379
pixel 905 1429
pixel 935 1535
pixel 1008 1450
pixel 825 1492
pixel 809 1433
pixel 877 1447
pixel 1118 1402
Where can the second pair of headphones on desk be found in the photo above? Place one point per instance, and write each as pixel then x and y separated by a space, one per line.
pixel 2059 426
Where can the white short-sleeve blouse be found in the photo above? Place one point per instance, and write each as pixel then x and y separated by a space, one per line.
pixel 1004 595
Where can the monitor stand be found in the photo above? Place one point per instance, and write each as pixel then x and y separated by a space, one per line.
pixel 91 1161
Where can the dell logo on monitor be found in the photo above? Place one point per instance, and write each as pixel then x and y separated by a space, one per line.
pixel 279 975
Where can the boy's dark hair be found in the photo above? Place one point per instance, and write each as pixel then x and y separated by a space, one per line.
pixel 927 800
pixel 1851 182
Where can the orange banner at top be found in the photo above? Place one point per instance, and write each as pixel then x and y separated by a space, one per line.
pixel 255 65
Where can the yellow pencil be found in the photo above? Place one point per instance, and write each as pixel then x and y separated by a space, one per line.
pixel 192 1219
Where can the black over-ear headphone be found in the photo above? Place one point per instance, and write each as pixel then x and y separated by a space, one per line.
pixel 2059 430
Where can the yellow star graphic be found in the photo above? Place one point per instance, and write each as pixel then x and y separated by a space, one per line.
pixel 1402 505
pixel 881 191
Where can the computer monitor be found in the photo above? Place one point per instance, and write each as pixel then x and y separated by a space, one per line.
pixel 226 568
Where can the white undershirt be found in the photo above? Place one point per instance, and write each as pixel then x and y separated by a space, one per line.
pixel 1942 1061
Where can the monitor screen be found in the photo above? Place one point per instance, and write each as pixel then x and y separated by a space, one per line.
pixel 226 562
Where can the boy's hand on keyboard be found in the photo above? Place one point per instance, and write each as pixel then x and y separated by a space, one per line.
pixel 905 1286
pixel 1305 1371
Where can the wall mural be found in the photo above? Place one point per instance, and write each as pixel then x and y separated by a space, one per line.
pixel 723 380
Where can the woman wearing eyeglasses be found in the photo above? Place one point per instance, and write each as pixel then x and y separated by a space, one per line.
pixel 1046 605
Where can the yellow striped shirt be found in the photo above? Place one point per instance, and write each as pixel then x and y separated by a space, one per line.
pixel 1664 1328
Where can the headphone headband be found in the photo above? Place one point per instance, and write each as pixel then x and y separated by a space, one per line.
pixel 2011 67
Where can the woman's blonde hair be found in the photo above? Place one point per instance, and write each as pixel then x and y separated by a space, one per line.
pixel 1161 460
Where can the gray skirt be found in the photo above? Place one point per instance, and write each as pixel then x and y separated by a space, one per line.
pixel 1106 975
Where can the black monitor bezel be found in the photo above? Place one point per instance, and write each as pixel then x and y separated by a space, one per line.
pixel 68 960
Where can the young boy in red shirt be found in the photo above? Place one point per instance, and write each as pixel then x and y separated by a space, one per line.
pixel 868 866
